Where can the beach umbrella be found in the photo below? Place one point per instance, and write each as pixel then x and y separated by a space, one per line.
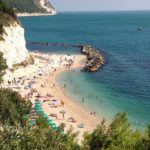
pixel 36 107
pixel 52 124
pixel 38 102
pixel 44 116
pixel 40 112
pixel 55 128
pixel 49 121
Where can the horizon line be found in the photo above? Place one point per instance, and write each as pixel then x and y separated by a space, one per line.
pixel 103 10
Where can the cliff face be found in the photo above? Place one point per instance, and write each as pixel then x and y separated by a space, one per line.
pixel 47 6
pixel 12 44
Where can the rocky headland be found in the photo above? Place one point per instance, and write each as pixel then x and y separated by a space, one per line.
pixel 94 60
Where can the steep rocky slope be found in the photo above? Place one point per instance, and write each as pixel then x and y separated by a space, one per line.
pixel 12 41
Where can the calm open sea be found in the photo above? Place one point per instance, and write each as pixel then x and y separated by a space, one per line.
pixel 123 84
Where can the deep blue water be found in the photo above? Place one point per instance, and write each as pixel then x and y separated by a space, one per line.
pixel 123 84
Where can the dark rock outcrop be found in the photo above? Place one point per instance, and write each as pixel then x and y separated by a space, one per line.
pixel 94 60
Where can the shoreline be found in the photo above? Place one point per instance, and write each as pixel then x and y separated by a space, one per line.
pixel 35 14
pixel 91 121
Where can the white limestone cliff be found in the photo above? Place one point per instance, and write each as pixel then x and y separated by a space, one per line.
pixel 13 45
pixel 47 6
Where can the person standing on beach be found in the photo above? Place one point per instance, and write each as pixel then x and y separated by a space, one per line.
pixel 62 103
pixel 65 85
pixel 63 114
pixel 82 100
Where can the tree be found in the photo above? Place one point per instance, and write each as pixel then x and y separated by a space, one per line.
pixel 119 135
pixel 13 107
pixel 24 138
pixel 97 139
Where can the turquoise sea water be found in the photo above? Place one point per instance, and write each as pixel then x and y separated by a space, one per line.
pixel 123 84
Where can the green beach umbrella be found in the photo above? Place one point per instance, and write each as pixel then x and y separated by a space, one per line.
pixel 38 108
pixel 38 102
pixel 55 128
pixel 49 121
pixel 40 112
pixel 52 124
pixel 44 116
pixel 37 105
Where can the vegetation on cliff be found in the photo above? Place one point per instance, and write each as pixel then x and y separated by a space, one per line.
pixel 29 6
pixel 7 10
pixel 7 17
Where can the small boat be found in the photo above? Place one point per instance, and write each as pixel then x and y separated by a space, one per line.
pixel 140 28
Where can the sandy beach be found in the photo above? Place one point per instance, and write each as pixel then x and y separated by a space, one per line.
pixel 54 100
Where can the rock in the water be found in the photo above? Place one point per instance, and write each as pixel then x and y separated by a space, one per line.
pixel 95 60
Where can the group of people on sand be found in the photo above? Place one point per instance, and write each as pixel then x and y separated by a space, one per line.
pixel 93 113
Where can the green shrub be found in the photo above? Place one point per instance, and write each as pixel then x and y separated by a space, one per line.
pixel 12 107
